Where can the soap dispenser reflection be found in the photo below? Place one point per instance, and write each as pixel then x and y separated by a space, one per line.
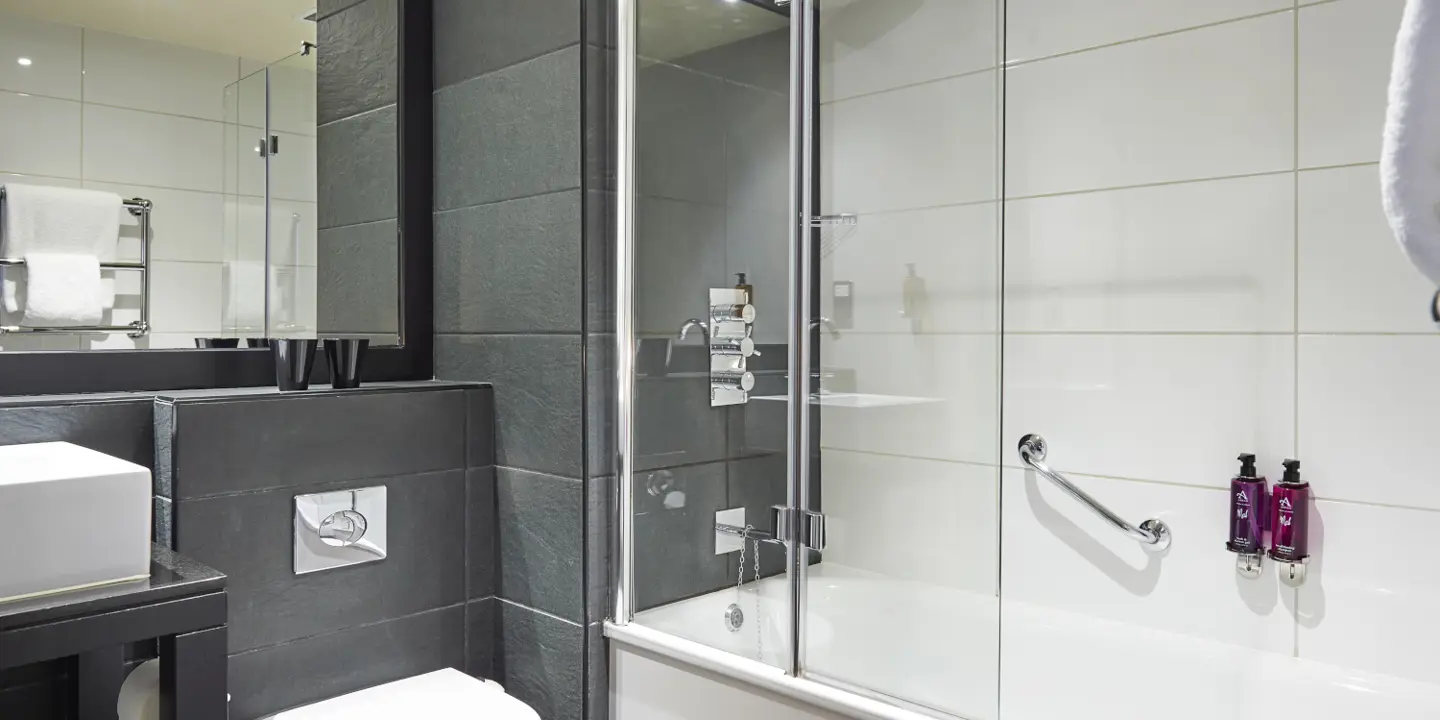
pixel 1248 518
pixel 913 299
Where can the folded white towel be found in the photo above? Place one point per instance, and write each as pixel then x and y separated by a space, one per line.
pixel 41 219
pixel 1410 156
pixel 62 290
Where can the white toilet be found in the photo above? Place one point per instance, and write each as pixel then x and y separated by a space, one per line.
pixel 441 694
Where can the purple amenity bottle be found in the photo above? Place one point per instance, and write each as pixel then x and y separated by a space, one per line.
pixel 1290 524
pixel 1248 514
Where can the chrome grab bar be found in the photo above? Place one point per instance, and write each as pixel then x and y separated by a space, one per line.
pixel 1152 532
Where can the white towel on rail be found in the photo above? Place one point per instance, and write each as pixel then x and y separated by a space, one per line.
pixel 67 221
pixel 62 290
pixel 1410 156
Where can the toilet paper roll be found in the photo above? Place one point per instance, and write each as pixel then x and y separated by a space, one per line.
pixel 140 693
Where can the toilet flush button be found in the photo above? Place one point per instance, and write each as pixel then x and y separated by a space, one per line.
pixel 343 528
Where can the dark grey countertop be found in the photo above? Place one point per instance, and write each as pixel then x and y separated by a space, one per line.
pixel 232 393
pixel 171 576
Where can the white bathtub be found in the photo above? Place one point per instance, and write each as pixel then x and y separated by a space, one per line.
pixel 967 655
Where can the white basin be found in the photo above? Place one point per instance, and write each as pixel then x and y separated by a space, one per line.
pixel 70 518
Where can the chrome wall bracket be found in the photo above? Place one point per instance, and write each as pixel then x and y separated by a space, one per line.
pixel 787 522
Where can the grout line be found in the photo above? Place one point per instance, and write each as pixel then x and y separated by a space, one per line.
pixel 561 191
pixel 395 105
pixel 1143 38
pixel 355 225
pixel 517 63
pixel 653 62
pixel 538 611
pixel 909 86
pixel 428 474
pixel 1139 186
pixel 348 628
pixel 541 473
pixel 901 456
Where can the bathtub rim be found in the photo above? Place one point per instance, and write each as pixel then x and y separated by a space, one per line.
pixel 756 673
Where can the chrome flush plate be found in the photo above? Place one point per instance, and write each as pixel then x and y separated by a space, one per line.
pixel 341 528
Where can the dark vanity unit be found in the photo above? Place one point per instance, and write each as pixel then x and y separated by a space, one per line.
pixel 182 605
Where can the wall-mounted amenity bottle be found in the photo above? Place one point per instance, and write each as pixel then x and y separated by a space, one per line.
pixel 746 287
pixel 1248 517
pixel 1290 523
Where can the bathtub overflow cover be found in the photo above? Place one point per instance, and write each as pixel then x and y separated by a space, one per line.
pixel 734 618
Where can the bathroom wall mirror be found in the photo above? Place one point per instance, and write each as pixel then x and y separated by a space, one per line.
pixel 258 143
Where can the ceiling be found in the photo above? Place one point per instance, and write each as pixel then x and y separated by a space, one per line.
pixel 672 29
pixel 264 30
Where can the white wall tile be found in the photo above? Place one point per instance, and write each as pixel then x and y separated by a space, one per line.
pixel 1367 414
pixel 39 180
pixel 1369 606
pixel 1039 28
pixel 129 146
pixel 38 342
pixel 158 77
pixel 1345 52
pixel 292 99
pixel 41 135
pixel 873 45
pixel 956 250
pixel 946 385
pixel 185 297
pixel 1205 256
pixel 1353 275
pixel 1059 554
pixel 923 146
pixel 53 51
pixel 292 232
pixel 1170 408
pixel 185 225
pixel 1206 103
pixel 945 505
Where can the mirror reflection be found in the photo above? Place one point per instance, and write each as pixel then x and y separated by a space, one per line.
pixel 202 173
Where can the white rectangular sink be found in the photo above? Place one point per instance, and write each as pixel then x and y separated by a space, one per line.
pixel 70 518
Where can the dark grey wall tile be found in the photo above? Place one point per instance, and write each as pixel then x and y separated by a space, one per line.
pixel 357 278
pixel 674 423
pixel 510 266
pixel 163 416
pixel 324 666
pixel 120 428
pixel 760 60
pixel 597 673
pixel 273 441
pixel 325 8
pixel 482 627
pixel 358 169
pixel 541 530
pixel 356 68
pixel 680 122
pixel 600 389
pixel 512 133
pixel 482 529
pixel 474 37
pixel 756 484
pixel 600 496
pixel 675 533
pixel 599 256
pixel 480 424
pixel 249 538
pixel 541 660
pixel 537 394
pixel 680 254
pixel 164 521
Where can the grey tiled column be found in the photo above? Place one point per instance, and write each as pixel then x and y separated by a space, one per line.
pixel 519 196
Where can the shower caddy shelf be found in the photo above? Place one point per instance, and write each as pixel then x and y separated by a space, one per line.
pixel 140 208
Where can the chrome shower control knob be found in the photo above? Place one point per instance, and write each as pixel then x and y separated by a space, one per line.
pixel 744 347
pixel 734 380
pixel 731 313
